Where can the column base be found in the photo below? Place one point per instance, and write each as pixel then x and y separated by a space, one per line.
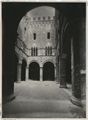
pixel 63 86
pixel 41 80
pixel 27 80
pixel 76 101
pixel 57 82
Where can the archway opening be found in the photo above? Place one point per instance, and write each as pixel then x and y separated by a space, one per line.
pixel 23 70
pixel 34 71
pixel 48 72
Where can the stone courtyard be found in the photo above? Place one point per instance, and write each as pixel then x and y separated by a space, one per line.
pixel 35 99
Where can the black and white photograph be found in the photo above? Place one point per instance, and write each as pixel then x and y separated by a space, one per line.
pixel 43 59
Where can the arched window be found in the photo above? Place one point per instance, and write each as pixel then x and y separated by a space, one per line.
pixel 34 51
pixel 45 51
pixel 48 51
pixel 48 35
pixel 34 36
pixel 31 51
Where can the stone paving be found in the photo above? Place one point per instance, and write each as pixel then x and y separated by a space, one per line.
pixel 35 99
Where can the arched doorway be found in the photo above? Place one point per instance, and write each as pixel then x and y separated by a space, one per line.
pixel 34 71
pixel 48 71
pixel 23 70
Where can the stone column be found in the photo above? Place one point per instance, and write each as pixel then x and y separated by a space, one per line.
pixel 19 66
pixel 27 73
pixel 76 81
pixel 55 74
pixel 57 71
pixel 76 87
pixel 62 71
pixel 41 74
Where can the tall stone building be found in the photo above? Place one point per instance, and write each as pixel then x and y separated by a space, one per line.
pixel 36 44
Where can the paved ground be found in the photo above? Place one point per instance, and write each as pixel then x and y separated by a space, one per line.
pixel 41 100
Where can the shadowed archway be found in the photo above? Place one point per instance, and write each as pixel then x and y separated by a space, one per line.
pixel 34 71
pixel 48 71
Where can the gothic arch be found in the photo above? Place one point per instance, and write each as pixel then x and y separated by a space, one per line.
pixel 48 60
pixel 34 61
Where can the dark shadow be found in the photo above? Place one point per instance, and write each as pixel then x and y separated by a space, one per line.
pixel 23 70
pixel 15 68
pixel 34 71
pixel 48 71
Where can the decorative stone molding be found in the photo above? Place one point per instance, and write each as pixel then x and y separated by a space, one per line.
pixel 38 18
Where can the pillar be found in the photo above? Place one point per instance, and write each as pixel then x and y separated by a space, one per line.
pixel 55 74
pixel 76 81
pixel 76 87
pixel 57 70
pixel 62 71
pixel 27 73
pixel 41 74
pixel 19 66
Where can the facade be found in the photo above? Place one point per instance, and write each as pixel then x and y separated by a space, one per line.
pixel 36 44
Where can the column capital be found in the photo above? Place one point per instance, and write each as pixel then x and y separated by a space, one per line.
pixel 41 66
